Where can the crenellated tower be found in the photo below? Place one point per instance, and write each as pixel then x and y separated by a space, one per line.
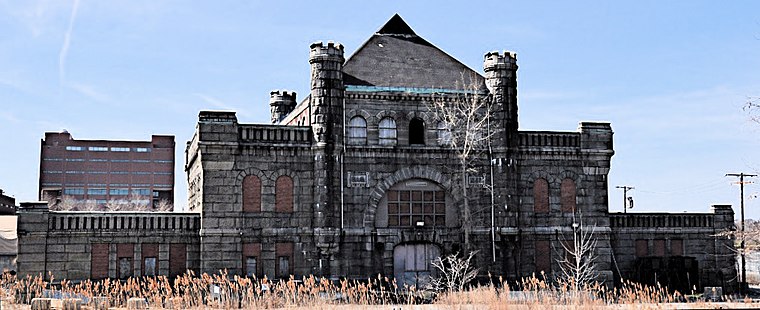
pixel 281 103
pixel 501 80
pixel 326 104
pixel 327 92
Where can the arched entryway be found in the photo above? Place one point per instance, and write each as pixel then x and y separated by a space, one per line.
pixel 413 263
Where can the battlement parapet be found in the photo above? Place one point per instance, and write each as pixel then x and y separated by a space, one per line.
pixel 281 95
pixel 332 51
pixel 495 61
pixel 217 117
pixel 275 134
pixel 662 220
pixel 115 221
pixel 549 139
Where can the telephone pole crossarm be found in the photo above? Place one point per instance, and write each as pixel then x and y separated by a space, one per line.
pixel 625 189
pixel 741 183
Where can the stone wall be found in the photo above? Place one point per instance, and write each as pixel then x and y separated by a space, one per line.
pixel 62 243
pixel 646 235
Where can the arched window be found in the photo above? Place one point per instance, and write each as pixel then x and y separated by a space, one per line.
pixel 540 196
pixel 567 193
pixel 444 135
pixel 251 194
pixel 283 194
pixel 414 203
pixel 387 128
pixel 416 131
pixel 357 131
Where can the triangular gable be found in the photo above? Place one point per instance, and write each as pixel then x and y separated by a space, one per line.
pixel 395 57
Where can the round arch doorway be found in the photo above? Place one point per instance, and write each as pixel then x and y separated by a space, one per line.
pixel 413 263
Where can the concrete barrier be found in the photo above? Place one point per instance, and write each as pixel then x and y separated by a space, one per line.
pixel 137 303
pixel 41 303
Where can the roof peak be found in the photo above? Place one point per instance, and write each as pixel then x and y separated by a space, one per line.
pixel 396 25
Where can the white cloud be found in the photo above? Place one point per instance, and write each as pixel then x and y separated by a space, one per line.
pixel 89 92
pixel 66 43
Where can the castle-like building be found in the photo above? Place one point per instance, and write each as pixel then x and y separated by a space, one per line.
pixel 361 178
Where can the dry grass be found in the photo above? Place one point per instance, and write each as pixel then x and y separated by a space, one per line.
pixel 227 292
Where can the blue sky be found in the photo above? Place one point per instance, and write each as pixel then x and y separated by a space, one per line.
pixel 671 76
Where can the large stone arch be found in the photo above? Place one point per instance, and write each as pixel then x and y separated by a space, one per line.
pixel 406 173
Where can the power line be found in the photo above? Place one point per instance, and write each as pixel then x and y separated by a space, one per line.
pixel 741 191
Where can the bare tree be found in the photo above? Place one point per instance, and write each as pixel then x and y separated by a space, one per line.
pixel 454 273
pixel 752 107
pixel 578 266
pixel 163 205
pixel 465 128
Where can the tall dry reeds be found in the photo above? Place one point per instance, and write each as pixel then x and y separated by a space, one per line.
pixel 226 292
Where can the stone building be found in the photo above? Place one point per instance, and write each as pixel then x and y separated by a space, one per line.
pixel 360 178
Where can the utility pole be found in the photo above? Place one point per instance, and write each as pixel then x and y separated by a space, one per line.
pixel 625 195
pixel 741 186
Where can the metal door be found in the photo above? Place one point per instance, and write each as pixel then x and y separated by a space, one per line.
pixel 412 264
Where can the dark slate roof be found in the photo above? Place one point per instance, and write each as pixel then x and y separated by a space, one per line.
pixel 395 56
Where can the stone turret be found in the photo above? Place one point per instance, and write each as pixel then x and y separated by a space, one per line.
pixel 501 80
pixel 327 92
pixel 281 103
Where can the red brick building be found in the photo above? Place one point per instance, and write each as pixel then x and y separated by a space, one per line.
pixel 106 174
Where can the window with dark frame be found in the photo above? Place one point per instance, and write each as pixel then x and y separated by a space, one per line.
pixel 387 131
pixel 357 131
pixel 410 207
pixel 251 265
pixel 416 131
pixel 283 266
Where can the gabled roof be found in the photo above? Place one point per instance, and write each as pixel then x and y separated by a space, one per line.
pixel 395 56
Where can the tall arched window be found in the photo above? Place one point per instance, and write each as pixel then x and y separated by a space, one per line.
pixel 357 131
pixel 540 196
pixel 444 135
pixel 387 128
pixel 567 193
pixel 251 194
pixel 283 194
pixel 416 131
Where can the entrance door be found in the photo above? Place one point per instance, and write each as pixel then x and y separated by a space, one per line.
pixel 413 263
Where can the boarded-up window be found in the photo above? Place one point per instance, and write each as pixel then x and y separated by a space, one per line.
pixel 177 259
pixel 676 247
pixel 642 248
pixel 659 247
pixel 543 257
pixel 444 134
pixel 149 266
pixel 251 265
pixel 357 131
pixel 540 196
pixel 251 194
pixel 284 254
pixel 387 128
pixel 149 253
pixel 416 131
pixel 99 261
pixel 567 193
pixel 124 255
pixel 251 254
pixel 283 194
